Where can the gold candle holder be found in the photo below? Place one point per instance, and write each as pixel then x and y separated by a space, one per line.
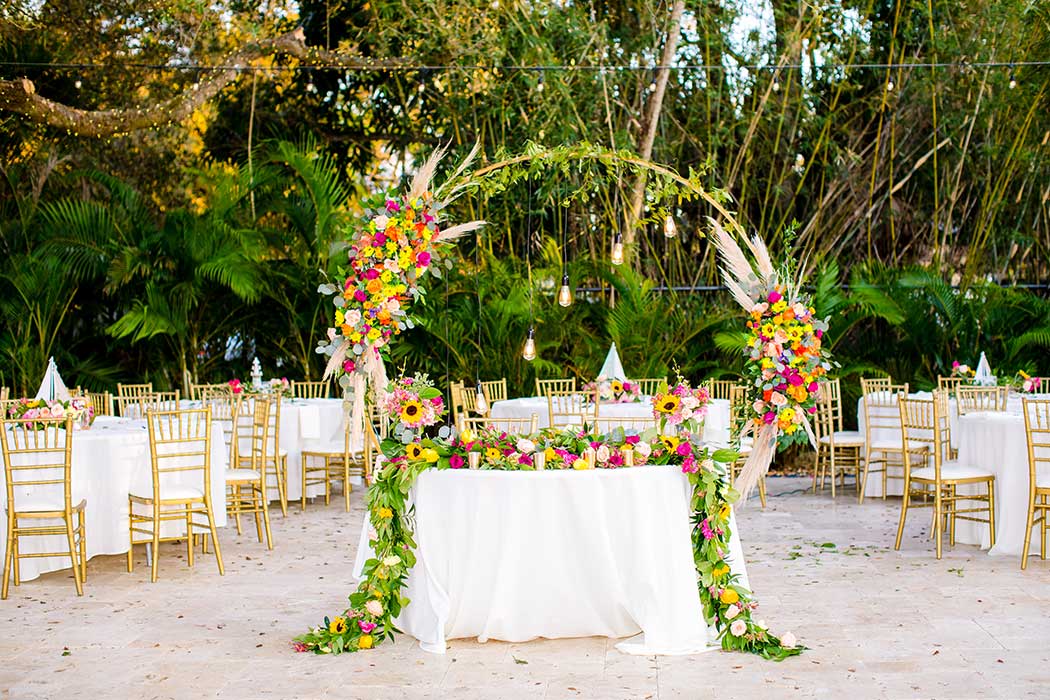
pixel 539 459
pixel 589 457
pixel 474 460
pixel 627 452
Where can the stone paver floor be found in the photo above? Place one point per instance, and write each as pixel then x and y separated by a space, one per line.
pixel 879 623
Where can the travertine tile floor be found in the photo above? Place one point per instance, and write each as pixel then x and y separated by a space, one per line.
pixel 879 623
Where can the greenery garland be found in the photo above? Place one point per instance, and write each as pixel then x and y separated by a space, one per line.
pixel 378 601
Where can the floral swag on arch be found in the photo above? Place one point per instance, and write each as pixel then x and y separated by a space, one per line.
pixel 392 247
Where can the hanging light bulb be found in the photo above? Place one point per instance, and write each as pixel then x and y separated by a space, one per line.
pixel 889 86
pixel 565 293
pixel 77 83
pixel 776 82
pixel 539 84
pixel 1013 78
pixel 617 250
pixel 529 351
pixel 670 228
pixel 481 404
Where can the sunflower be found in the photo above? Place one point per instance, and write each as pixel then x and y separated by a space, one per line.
pixel 411 412
pixel 670 442
pixel 616 386
pixel 668 403
pixel 337 626
pixel 414 452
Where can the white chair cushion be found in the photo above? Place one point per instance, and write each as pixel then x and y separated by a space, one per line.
pixel 242 475
pixel 38 504
pixel 844 438
pixel 174 492
pixel 895 445
pixel 951 470
pixel 1042 481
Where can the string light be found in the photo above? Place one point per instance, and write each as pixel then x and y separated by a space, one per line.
pixel 776 81
pixel 539 83
pixel 889 85
pixel 1013 77
pixel 528 351
pixel 565 292
pixel 670 228
pixel 481 404
pixel 617 249
pixel 310 87
pixel 77 83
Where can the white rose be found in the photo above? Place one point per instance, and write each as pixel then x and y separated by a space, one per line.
pixel 392 266
pixel 761 624
pixel 690 402
pixel 738 628
pixel 602 455
pixel 778 399
pixel 525 446
pixel 392 560
pixel 374 607
pixel 799 310
pixel 58 411
pixel 644 449
pixel 353 317
pixel 732 611
pixel 381 222
pixel 393 305
pixel 788 641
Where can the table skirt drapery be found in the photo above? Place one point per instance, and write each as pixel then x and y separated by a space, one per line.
pixel 109 461
pixel 519 555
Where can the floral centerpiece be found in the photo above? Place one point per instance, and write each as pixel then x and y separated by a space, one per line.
pixel 682 406
pixel 784 361
pixel 614 390
pixel 278 386
pixel 378 601
pixel 78 408
pixel 413 403
pixel 1026 383
pixel 962 371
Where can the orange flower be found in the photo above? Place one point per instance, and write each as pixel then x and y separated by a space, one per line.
pixel 374 286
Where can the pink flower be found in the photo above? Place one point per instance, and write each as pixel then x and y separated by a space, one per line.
pixel 689 467
pixel 684 449
pixel 455 461
pixel 769 418
pixel 788 641
pixel 795 380
pixel 371 273
pixel 423 259
pixel 705 528
pixel 778 399
pixel 732 611
pixel 359 295
pixel 955 365
pixel 380 238
pixel 616 460
pixel 300 647
pixel 525 459
pixel 366 627
pixel 738 628
pixel 392 206
pixel 374 608
pixel 632 439
pixel 348 366
pixel 774 297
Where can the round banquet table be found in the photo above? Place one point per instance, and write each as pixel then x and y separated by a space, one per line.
pixel 556 553
pixel 109 461
pixel 996 441
pixel 716 423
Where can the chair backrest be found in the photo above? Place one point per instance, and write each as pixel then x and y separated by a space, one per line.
pixel 650 386
pixel 252 434
pixel 721 388
pixel 468 396
pixel 545 386
pixel 604 425
pixel 881 407
pixel 495 390
pixel 159 401
pixel 311 390
pixel 1037 434
pixel 101 403
pixel 179 443
pixel 831 391
pixel 951 384
pixel 971 399
pixel 197 391
pixel 925 433
pixel 455 398
pixel 128 395
pixel 566 408
pixel 511 426
pixel 737 397
pixel 5 393
pixel 225 406
pixel 37 456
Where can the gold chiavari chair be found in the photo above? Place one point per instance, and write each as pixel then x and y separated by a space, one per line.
pixel 951 384
pixel 838 451
pixel 197 391
pixel 311 390
pixel 882 430
pixel 924 435
pixel 468 396
pixel 101 403
pixel 1037 434
pixel 545 386
pixel 276 459
pixel 338 462
pixel 972 399
pixel 180 450
pixel 570 408
pixel 737 418
pixel 495 390
pixel 5 393
pixel 246 482
pixel 603 425
pixel 38 455
pixel 721 388
pixel 129 395
pixel 161 401
pixel 651 385
pixel 511 426
pixel 1042 386
pixel 455 395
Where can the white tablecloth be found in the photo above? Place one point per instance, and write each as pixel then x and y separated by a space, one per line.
pixel 996 441
pixel 520 555
pixel 716 424
pixel 109 461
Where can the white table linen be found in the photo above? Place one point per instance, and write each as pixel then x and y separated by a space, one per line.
pixel 109 461
pixel 716 423
pixel 996 441
pixel 520 555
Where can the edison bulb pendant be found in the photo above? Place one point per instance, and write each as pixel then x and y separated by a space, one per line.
pixel 481 404
pixel 670 228
pixel 529 351
pixel 565 293
pixel 617 251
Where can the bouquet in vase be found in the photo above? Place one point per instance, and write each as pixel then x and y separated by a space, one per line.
pixel 411 404
pixel 682 406
pixel 613 390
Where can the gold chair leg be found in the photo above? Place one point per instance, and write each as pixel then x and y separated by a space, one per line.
pixel 83 546
pixel 280 467
pixel 73 554
pixel 991 514
pixel 302 506
pixel 18 569
pixel 904 514
pixel 131 539
pixel 939 525
pixel 327 481
pixel 816 468
pixel 237 507
pixel 347 487
pixel 953 505
pixel 215 539
pixel 189 535
pixel 7 558
pixel 264 504
pixel 154 559
pixel 256 508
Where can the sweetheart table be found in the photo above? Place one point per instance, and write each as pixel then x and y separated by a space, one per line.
pixel 519 555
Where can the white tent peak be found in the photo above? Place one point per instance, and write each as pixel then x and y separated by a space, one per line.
pixel 52 387
pixel 613 368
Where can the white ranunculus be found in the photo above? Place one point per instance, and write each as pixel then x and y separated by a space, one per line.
pixel 374 607
pixel 392 560
pixel 644 449
pixel 602 454
pixel 525 446
pixel 732 611
pixel 381 222
pixel 738 628
pixel 788 641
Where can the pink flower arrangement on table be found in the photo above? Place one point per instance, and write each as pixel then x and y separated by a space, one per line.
pixel 411 404
pixel 961 370
pixel 78 407
pixel 681 405
pixel 614 390
pixel 1028 383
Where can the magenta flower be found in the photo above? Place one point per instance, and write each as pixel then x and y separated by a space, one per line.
pixel 774 297
pixel 684 449
pixel 795 379
pixel 371 273
pixel 525 459
pixel 392 206
pixel 380 238
pixel 366 627
pixel 769 418
pixel 423 259
pixel 616 460
pixel 455 461
pixel 359 295
pixel 709 534
pixel 348 366
pixel 300 647
pixel 689 466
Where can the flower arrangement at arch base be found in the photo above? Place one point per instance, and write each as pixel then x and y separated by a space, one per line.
pixel 378 601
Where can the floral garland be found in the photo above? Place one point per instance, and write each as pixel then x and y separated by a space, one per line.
pixel 614 390
pixel 378 600
pixel 78 407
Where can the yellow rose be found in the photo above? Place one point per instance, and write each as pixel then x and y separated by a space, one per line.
pixel 364 641
pixel 720 571
pixel 430 455
pixel 550 454
pixel 580 463
pixel 729 596
pixel 466 436
pixel 385 513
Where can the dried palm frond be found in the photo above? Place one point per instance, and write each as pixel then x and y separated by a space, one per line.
pixel 425 175
pixel 459 230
